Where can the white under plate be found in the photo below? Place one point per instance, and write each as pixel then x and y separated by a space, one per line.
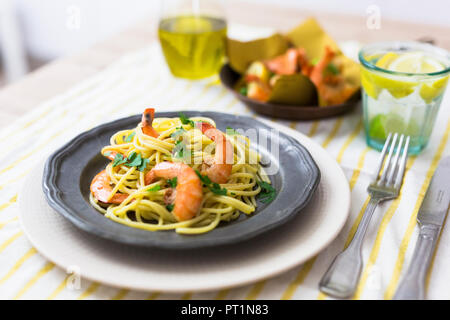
pixel 199 270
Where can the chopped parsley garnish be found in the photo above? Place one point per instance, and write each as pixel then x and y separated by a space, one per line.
pixel 186 120
pixel 214 187
pixel 118 160
pixel 314 61
pixel 179 150
pixel 170 207
pixel 217 189
pixel 107 153
pixel 133 160
pixel 243 91
pixel 205 179
pixel 173 182
pixel 143 165
pixel 154 188
pixel 177 133
pixel 332 68
pixel 230 131
pixel 267 193
pixel 130 137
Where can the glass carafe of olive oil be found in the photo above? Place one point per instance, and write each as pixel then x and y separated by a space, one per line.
pixel 193 36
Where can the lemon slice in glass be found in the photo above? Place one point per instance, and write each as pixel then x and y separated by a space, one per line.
pixel 414 62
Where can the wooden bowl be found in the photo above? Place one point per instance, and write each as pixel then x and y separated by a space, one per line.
pixel 229 77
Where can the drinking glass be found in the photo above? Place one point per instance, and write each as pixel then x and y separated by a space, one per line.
pixel 403 86
pixel 193 36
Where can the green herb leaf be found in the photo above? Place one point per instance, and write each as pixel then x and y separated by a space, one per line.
pixel 186 120
pixel 230 131
pixel 177 133
pixel 214 187
pixel 217 189
pixel 143 165
pixel 172 182
pixel 170 207
pixel 268 193
pixel 107 153
pixel 154 188
pixel 332 68
pixel 130 137
pixel 205 179
pixel 178 151
pixel 243 91
pixel 118 160
pixel 315 61
pixel 134 160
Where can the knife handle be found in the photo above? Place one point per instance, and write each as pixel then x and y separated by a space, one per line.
pixel 412 286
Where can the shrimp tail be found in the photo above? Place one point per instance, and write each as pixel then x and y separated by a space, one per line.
pixel 147 120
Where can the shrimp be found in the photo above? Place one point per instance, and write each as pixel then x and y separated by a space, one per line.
pixel 219 168
pixel 101 189
pixel 317 73
pixel 189 193
pixel 284 64
pixel 147 120
pixel 332 88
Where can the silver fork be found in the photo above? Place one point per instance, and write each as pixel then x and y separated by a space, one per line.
pixel 341 278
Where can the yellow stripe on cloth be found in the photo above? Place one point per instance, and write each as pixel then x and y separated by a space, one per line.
pixel 5 244
pixel 89 291
pixel 256 290
pixel 9 203
pixel 58 289
pixel 412 220
pixel 222 294
pixel 120 294
pixel 48 266
pixel 357 171
pixel 349 140
pixel 153 295
pixel 301 276
pixel 313 129
pixel 333 132
pixel 18 264
pixel 3 224
pixel 187 296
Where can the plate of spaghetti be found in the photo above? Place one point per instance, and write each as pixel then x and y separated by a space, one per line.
pixel 180 180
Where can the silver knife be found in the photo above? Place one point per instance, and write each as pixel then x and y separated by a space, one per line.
pixel 431 217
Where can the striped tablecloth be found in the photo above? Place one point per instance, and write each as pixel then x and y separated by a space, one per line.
pixel 140 80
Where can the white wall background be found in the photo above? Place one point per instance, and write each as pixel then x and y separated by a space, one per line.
pixel 54 28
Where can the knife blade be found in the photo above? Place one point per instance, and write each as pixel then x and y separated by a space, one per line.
pixel 435 204
pixel 431 217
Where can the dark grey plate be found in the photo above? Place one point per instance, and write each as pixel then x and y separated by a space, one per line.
pixel 69 171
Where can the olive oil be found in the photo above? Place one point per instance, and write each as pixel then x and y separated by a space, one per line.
pixel 194 46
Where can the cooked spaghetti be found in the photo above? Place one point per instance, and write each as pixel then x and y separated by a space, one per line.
pixel 179 173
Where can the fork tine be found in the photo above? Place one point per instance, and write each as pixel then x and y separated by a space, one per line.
pixel 401 169
pixel 388 160
pixel 390 179
pixel 383 154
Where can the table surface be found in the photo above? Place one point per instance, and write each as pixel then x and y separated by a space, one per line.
pixel 56 77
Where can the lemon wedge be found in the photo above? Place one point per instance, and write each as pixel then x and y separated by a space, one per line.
pixel 386 59
pixel 414 62
pixel 428 92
